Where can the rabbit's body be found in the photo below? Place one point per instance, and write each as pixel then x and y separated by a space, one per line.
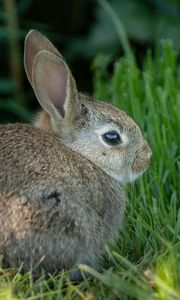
pixel 61 195
pixel 45 213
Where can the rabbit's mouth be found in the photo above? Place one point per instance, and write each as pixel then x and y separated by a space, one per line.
pixel 142 160
pixel 125 177
pixel 134 176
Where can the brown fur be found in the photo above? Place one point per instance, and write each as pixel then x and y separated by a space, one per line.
pixel 61 185
pixel 32 223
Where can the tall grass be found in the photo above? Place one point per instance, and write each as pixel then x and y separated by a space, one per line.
pixel 149 243
pixel 144 262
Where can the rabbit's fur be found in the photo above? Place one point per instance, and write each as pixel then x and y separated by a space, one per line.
pixel 61 185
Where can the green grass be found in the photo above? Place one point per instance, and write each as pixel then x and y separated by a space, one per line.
pixel 144 262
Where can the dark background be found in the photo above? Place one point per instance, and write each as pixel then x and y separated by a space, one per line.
pixel 80 29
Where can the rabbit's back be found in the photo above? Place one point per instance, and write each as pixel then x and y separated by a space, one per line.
pixel 48 192
pixel 33 154
pixel 35 165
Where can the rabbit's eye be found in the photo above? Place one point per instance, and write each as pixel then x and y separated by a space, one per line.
pixel 112 138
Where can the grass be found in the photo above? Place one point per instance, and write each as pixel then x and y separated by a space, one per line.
pixel 144 262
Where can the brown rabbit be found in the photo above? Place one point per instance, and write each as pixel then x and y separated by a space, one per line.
pixel 61 188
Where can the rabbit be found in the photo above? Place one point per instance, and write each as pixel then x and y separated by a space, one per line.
pixel 62 180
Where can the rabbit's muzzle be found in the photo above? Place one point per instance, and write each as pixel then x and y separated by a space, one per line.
pixel 142 159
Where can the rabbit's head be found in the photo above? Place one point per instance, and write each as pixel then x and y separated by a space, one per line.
pixel 100 132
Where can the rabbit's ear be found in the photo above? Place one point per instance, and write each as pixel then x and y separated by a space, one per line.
pixel 55 87
pixel 34 43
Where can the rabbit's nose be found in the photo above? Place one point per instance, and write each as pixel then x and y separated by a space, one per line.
pixel 142 158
